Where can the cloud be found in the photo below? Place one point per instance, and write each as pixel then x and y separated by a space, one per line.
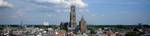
pixel 80 3
pixel 65 3
pixel 4 3
pixel 120 2
pixel 19 13
pixel 5 16
pixel 53 1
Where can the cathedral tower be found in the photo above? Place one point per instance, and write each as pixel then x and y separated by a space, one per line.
pixel 73 16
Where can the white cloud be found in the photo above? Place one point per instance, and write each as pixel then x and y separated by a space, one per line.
pixel 52 1
pixel 67 3
pixel 19 13
pixel 120 2
pixel 4 3
pixel 80 3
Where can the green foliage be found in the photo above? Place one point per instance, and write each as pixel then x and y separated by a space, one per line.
pixel 132 34
pixel 117 26
pixel 63 28
pixel 92 30
pixel 1 28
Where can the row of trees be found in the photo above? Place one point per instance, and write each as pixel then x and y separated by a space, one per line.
pixel 120 26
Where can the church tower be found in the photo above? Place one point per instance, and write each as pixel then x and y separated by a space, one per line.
pixel 73 16
pixel 82 25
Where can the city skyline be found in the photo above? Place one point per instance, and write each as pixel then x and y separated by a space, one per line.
pixel 95 11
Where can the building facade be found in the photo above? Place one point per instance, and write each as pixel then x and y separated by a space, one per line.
pixel 82 25
pixel 73 16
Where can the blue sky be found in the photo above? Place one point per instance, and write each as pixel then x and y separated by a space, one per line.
pixel 95 12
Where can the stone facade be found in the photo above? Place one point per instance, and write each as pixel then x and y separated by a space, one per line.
pixel 73 16
pixel 82 25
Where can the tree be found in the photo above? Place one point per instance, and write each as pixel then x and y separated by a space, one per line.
pixel 132 34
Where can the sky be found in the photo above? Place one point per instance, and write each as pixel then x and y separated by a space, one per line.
pixel 98 12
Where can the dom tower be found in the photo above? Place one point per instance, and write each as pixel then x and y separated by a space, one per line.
pixel 73 16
